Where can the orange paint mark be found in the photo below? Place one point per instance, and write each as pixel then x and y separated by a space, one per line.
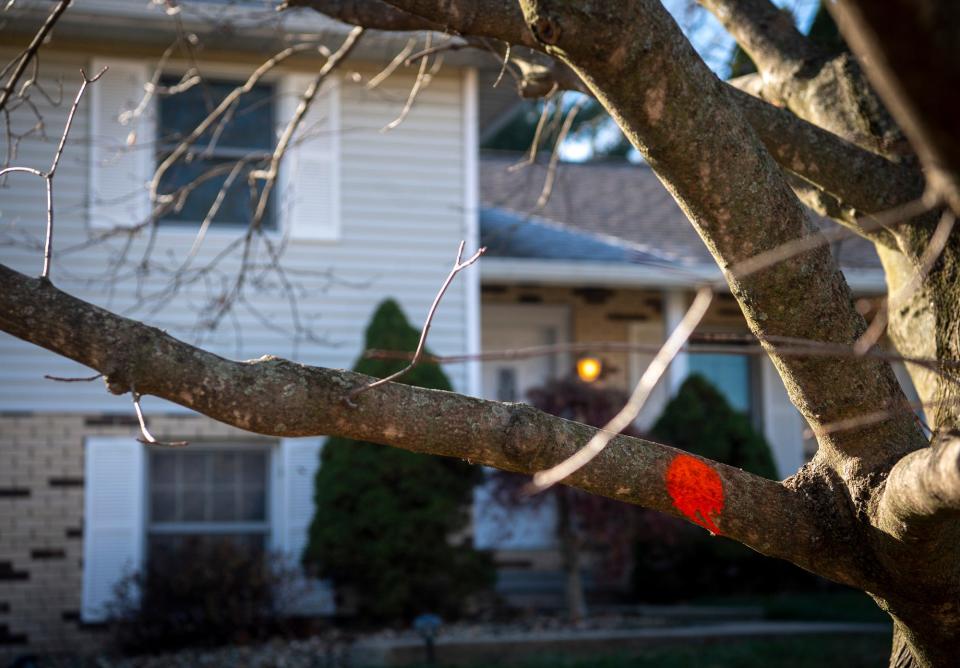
pixel 696 490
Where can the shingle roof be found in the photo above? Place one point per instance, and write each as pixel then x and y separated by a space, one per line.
pixel 512 234
pixel 616 202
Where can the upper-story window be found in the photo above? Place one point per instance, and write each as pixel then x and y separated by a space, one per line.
pixel 222 157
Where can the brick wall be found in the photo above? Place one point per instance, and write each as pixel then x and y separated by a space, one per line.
pixel 41 523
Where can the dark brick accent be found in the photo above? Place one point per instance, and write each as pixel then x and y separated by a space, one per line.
pixel 529 299
pixel 110 421
pixel 14 492
pixel 7 572
pixel 632 317
pixel 593 295
pixel 70 615
pixel 47 553
pixel 493 289
pixel 65 482
pixel 74 533
pixel 4 608
pixel 7 638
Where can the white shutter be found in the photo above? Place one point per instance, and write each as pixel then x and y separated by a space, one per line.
pixel 782 423
pixel 121 144
pixel 299 461
pixel 310 171
pixel 113 519
pixel 649 332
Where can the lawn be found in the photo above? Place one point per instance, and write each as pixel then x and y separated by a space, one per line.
pixel 868 651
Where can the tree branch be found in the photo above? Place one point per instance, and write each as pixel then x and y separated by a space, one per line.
pixel 764 31
pixel 914 62
pixel 280 398
pixel 641 68
pixel 922 491
pixel 856 177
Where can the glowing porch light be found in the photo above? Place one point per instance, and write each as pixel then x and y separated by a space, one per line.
pixel 589 368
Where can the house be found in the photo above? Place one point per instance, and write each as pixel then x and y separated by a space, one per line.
pixel 611 258
pixel 360 214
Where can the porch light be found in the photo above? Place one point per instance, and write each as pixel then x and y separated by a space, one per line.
pixel 589 368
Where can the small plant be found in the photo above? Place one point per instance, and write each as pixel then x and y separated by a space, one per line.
pixel 203 592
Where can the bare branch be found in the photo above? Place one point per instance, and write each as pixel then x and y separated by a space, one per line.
pixel 458 265
pixel 145 435
pixel 29 54
pixel 49 174
pixel 269 396
pixel 648 381
pixel 932 253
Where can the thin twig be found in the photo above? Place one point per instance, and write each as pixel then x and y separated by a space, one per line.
pixel 648 381
pixel 537 133
pixel 48 175
pixel 785 251
pixel 147 437
pixel 938 241
pixel 459 265
pixel 423 78
pixel 391 67
pixel 555 156
pixel 62 379
pixel 31 51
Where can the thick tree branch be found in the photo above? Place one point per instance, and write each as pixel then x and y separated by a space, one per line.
pixel 858 179
pixel 913 59
pixel 764 31
pixel 922 491
pixel 372 14
pixel 641 68
pixel 281 398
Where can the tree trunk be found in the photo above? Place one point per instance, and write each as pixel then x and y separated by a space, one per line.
pixel 571 545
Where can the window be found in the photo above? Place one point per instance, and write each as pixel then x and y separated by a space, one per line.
pixel 729 373
pixel 207 494
pixel 227 151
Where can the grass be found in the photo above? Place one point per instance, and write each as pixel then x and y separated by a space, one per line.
pixel 828 606
pixel 801 652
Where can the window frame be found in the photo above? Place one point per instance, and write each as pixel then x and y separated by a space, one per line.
pixel 266 528
pixel 234 74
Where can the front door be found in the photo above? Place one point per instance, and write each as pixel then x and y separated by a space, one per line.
pixel 513 326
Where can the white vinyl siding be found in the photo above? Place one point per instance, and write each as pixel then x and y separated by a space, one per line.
pixel 113 535
pixel 402 217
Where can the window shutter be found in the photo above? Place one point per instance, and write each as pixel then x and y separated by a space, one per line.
pixel 782 423
pixel 647 332
pixel 121 147
pixel 113 519
pixel 310 170
pixel 300 459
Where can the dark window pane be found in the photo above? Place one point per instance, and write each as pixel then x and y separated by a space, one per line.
pixel 250 126
pixel 247 131
pixel 193 506
pixel 729 373
pixel 163 506
pixel 225 472
pixel 254 468
pixel 224 506
pixel 163 468
pixel 193 468
pixel 238 203
pixel 254 506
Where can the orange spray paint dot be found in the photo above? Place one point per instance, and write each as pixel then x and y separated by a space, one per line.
pixel 696 490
